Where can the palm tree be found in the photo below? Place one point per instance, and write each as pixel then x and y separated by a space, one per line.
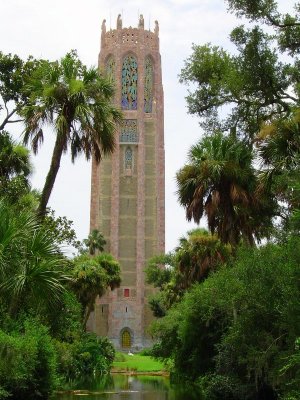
pixel 95 241
pixel 92 276
pixel 14 159
pixel 220 182
pixel 15 168
pixel 198 255
pixel 31 265
pixel 278 145
pixel 76 102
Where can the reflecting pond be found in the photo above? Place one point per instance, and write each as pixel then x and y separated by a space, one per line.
pixel 124 387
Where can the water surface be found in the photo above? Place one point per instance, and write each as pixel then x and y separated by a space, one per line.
pixel 115 387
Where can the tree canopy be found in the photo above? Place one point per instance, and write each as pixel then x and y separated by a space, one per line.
pixel 77 103
pixel 255 83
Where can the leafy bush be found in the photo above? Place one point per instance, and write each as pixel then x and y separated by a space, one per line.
pixel 87 356
pixel 240 326
pixel 27 363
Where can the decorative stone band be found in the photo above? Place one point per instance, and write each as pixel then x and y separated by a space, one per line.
pixel 131 36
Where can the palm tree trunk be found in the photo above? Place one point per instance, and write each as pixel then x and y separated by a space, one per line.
pixel 87 313
pixel 51 176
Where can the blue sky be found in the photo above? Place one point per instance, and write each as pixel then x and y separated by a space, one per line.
pixel 49 29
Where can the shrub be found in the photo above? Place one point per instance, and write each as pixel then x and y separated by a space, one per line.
pixel 90 355
pixel 27 363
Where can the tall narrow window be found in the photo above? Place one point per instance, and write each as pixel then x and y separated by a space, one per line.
pixel 110 68
pixel 128 158
pixel 129 83
pixel 148 86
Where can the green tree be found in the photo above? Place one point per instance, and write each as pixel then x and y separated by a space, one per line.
pixel 197 255
pixel 15 169
pixel 278 146
pixel 28 362
pixel 237 331
pixel 77 103
pixel 240 91
pixel 14 158
pixel 92 276
pixel 286 26
pixel 31 264
pixel 95 241
pixel 14 73
pixel 61 229
pixel 220 182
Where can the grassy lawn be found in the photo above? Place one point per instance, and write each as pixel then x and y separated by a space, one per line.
pixel 137 363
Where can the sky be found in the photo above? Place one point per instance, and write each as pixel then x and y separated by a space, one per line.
pixel 49 29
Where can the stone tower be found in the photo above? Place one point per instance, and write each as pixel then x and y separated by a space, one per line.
pixel 127 194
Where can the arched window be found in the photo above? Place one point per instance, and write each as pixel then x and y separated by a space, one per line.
pixel 148 85
pixel 110 68
pixel 128 158
pixel 129 83
pixel 126 338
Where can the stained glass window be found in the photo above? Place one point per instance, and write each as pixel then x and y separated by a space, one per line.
pixel 148 87
pixel 129 131
pixel 129 83
pixel 128 158
pixel 110 68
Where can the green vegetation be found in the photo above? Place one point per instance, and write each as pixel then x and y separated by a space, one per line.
pixel 45 298
pixel 92 276
pixel 233 326
pixel 77 103
pixel 221 183
pixel 228 298
pixel 42 342
pixel 136 363
pixel 239 328
pixel 196 256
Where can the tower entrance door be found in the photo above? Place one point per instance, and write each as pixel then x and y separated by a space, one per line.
pixel 126 338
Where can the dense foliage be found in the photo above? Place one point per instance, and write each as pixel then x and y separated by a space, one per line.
pixel 221 183
pixel 236 331
pixel 27 362
pixel 43 345
pixel 92 276
pixel 198 254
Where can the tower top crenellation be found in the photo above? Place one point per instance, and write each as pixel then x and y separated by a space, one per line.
pixel 130 35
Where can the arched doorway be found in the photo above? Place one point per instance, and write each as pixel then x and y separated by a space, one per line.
pixel 126 340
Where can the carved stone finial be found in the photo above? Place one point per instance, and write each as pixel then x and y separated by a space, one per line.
pixel 141 22
pixel 103 31
pixel 103 27
pixel 156 29
pixel 119 22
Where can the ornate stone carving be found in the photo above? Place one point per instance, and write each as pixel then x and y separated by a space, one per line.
pixel 119 22
pixel 141 22
pixel 129 132
pixel 156 29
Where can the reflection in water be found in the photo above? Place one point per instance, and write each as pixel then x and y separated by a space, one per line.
pixel 122 387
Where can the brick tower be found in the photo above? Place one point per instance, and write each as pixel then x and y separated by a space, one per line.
pixel 127 194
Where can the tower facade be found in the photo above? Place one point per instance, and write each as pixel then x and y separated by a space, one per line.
pixel 127 188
